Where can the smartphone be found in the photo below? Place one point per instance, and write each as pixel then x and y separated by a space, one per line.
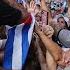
pixel 44 17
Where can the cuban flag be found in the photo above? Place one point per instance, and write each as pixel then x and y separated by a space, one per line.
pixel 17 46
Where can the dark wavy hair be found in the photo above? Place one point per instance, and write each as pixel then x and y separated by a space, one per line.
pixel 9 15
pixel 66 25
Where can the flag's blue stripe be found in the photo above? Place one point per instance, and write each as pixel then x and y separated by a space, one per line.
pixel 25 44
pixel 7 63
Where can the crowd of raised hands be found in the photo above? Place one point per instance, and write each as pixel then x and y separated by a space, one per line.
pixel 45 31
pixel 45 28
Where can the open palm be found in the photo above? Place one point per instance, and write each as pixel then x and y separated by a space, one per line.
pixel 31 7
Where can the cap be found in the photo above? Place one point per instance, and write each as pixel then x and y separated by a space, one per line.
pixel 64 38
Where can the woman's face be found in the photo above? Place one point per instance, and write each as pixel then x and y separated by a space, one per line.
pixel 61 22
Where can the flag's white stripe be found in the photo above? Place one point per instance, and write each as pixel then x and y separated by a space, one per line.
pixel 17 49
pixel 31 28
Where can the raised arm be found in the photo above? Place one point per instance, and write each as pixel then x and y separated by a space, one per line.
pixel 46 8
pixel 43 5
pixel 40 54
pixel 51 46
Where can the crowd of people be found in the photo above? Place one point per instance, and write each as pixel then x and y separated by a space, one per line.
pixel 51 35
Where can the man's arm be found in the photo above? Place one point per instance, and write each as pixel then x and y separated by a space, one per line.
pixel 40 54
pixel 46 8
pixel 43 5
pixel 51 46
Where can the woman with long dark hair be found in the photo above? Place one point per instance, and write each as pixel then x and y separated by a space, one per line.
pixel 9 15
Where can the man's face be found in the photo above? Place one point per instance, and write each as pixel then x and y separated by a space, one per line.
pixel 61 22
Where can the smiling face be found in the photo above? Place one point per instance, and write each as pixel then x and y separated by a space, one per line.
pixel 61 22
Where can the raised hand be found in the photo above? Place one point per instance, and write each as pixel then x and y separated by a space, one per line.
pixel 48 31
pixel 61 62
pixel 43 5
pixel 31 7
pixel 65 61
